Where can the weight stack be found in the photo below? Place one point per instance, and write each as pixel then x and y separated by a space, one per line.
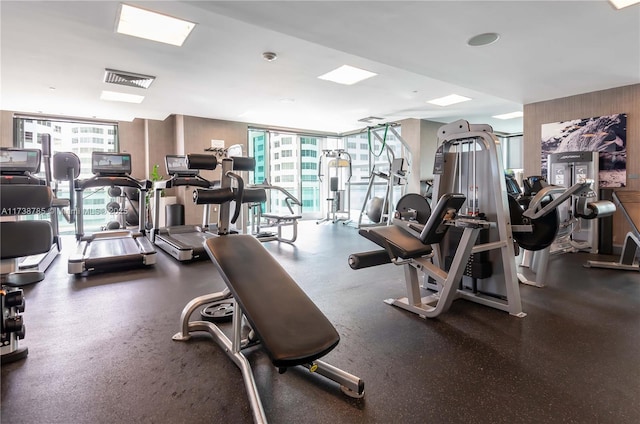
pixel 478 265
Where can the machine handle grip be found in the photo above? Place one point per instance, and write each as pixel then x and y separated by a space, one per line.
pixel 238 195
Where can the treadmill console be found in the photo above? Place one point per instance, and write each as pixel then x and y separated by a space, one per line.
pixel 177 166
pixel 19 161
pixel 110 164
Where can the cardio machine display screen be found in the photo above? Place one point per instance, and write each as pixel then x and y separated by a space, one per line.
pixel 20 160
pixel 110 163
pixel 177 165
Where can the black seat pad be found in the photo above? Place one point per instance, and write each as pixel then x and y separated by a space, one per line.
pixel 292 329
pixel 25 238
pixel 398 241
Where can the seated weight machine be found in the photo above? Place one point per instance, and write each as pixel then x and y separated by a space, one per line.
pixel 468 254
pixel 283 321
pixel 337 190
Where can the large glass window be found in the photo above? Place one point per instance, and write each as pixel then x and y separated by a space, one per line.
pixel 291 161
pixel 28 134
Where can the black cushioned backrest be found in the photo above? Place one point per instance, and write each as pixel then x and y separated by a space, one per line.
pixel 291 328
pixel 435 228
pixel 24 199
pixel 24 238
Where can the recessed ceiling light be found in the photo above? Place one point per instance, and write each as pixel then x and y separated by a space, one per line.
pixel 619 4
pixel 483 39
pixel 347 75
pixel 448 100
pixel 511 115
pixel 115 96
pixel 153 26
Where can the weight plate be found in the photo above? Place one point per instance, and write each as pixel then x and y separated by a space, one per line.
pixel 417 203
pixel 217 311
pixel 544 231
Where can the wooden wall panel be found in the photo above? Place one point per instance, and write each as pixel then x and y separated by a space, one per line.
pixel 607 102
pixel 131 137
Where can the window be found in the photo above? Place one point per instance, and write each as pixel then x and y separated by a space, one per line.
pixel 351 145
pixel 288 165
pixel 286 141
pixel 308 153
pixel 309 165
pixel 287 153
pixel 309 141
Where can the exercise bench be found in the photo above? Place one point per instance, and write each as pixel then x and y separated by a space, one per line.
pixel 284 322
pixel 629 203
pixel 261 220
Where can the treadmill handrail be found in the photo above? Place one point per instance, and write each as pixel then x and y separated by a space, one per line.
pixel 182 181
pixel 120 181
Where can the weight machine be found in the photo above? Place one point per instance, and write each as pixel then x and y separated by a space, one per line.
pixel 394 173
pixel 337 190
pixel 470 255
pixel 565 213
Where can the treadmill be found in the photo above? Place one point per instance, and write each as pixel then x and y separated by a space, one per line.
pixel 110 250
pixel 183 242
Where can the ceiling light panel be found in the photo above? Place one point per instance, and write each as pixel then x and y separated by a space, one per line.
pixel 115 96
pixel 619 4
pixel 153 26
pixel 451 99
pixel 347 75
pixel 510 115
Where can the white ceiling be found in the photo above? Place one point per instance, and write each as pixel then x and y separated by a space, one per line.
pixel 53 56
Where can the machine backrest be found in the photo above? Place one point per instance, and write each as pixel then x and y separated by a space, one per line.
pixel 446 208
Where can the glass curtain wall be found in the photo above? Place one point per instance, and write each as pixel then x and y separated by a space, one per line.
pixel 81 138
pixel 291 161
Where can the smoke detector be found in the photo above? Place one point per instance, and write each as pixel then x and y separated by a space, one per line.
pixel 129 79
pixel 269 56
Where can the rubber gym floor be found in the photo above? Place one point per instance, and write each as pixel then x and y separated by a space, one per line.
pixel 100 348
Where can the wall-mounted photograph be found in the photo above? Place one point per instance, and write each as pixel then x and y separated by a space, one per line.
pixel 606 135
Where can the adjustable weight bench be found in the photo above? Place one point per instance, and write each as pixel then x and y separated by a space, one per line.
pixel 284 322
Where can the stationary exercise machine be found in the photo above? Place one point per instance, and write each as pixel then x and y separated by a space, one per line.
pixel 566 210
pixel 19 166
pixel 19 239
pixel 334 170
pixel 465 249
pixel 114 249
pixel 183 242
pixel 566 169
pixel 393 173
pixel 629 203
pixel 267 298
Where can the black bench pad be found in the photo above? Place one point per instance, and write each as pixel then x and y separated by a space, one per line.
pixel 291 328
pixel 401 243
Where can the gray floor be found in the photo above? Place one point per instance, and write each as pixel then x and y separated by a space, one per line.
pixel 100 349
